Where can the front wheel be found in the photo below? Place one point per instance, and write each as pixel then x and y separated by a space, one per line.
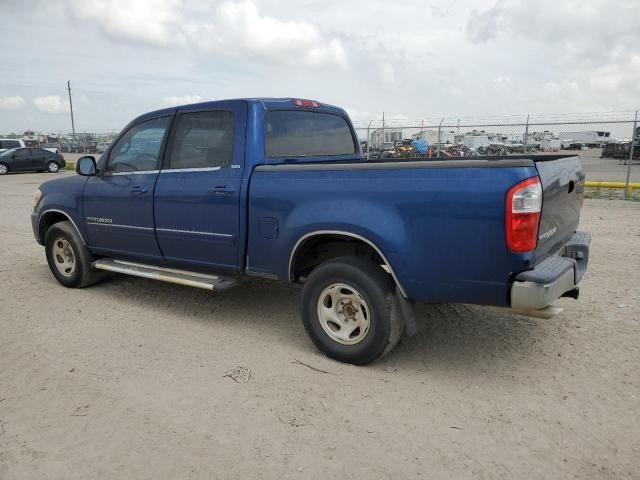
pixel 53 167
pixel 68 257
pixel 4 169
pixel 348 310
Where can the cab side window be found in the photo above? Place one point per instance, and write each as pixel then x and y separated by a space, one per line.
pixel 203 140
pixel 139 149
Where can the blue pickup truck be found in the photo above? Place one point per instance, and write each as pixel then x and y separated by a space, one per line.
pixel 205 194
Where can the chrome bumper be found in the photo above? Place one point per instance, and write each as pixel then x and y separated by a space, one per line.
pixel 555 277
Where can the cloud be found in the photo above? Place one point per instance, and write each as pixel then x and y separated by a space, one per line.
pixel 485 25
pixel 363 119
pixel 230 29
pixel 11 103
pixel 509 58
pixel 51 104
pixel 573 29
pixel 387 72
pixel 174 100
pixel 148 21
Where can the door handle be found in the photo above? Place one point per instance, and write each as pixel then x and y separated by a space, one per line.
pixel 223 190
pixel 139 190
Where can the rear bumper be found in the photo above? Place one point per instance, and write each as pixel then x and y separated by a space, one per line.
pixel 553 278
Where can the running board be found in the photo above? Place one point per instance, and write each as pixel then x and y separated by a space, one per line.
pixel 170 275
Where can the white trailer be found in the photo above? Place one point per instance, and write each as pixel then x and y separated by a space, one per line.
pixel 550 144
pixel 591 138
pixel 476 139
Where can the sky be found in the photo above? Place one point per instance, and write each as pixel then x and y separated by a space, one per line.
pixel 412 59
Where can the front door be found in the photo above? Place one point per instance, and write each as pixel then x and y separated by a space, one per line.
pixel 22 160
pixel 197 196
pixel 118 202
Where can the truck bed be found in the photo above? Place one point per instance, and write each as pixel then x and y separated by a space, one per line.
pixel 439 222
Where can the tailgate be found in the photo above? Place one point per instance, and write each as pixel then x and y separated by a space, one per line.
pixel 562 181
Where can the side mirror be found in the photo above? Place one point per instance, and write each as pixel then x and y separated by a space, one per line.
pixel 86 166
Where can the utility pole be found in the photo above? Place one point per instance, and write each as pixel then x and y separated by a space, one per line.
pixel 439 137
pixel 368 138
pixel 632 147
pixel 526 136
pixel 73 125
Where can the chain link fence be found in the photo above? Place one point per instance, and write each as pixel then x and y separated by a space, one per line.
pixel 607 142
pixel 66 143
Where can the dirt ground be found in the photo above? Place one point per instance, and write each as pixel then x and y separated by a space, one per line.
pixel 606 169
pixel 126 379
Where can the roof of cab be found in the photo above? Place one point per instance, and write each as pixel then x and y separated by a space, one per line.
pixel 267 103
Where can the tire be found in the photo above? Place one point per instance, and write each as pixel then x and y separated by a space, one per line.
pixel 68 257
pixel 4 168
pixel 53 167
pixel 353 291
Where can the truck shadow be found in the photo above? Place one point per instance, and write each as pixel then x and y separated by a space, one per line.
pixel 451 338
pixel 471 340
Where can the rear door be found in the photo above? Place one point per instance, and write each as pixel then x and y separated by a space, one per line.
pixel 562 181
pixel 197 196
pixel 118 202
pixel 38 159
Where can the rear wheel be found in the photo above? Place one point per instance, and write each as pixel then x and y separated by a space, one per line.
pixel 348 310
pixel 4 168
pixel 53 167
pixel 68 257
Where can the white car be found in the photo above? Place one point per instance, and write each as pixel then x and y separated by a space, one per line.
pixel 7 143
pixel 102 147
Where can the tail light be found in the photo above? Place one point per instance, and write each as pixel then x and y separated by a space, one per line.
pixel 523 206
pixel 298 102
pixel 60 156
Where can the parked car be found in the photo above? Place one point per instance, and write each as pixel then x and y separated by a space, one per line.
pixel 102 147
pixel 8 143
pixel 30 159
pixel 569 145
pixel 204 195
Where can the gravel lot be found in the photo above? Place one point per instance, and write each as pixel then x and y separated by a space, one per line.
pixel 606 169
pixel 125 379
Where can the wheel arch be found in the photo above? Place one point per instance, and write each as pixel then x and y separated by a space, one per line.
pixel 50 217
pixel 302 247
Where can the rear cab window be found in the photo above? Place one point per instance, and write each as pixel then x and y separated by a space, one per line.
pixel 303 133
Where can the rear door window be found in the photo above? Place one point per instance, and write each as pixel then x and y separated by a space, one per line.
pixel 299 133
pixel 203 140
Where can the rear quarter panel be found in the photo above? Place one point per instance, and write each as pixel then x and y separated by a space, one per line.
pixel 442 229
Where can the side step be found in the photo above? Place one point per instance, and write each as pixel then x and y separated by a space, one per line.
pixel 170 275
